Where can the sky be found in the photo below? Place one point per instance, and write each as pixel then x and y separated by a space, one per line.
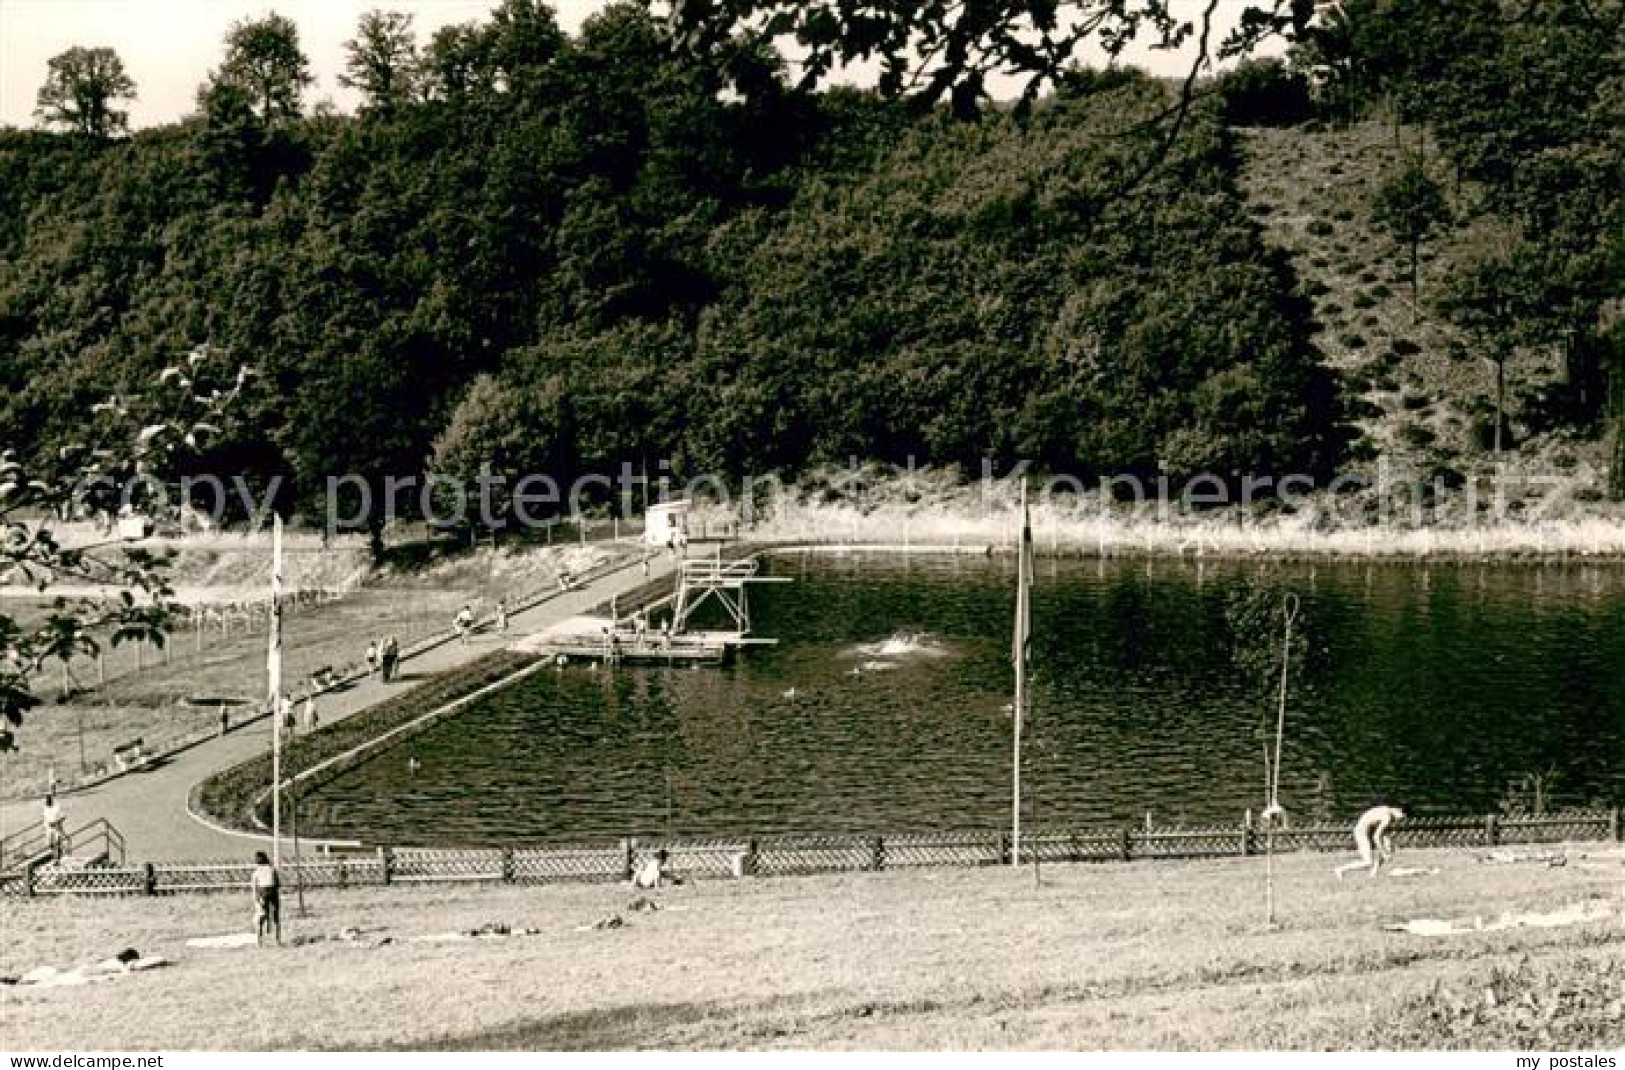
pixel 169 46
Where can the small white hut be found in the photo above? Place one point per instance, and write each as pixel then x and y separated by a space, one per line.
pixel 665 523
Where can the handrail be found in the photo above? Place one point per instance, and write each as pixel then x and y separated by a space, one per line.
pixel 33 841
pixel 37 827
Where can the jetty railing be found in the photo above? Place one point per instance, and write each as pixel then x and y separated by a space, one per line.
pixel 740 857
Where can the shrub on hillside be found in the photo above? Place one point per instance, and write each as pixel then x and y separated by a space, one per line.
pixel 1264 93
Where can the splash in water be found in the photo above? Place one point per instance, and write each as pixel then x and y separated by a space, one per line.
pixel 902 645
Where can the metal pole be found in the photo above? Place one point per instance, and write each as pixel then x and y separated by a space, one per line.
pixel 1023 595
pixel 273 665
pixel 1272 814
pixel 298 869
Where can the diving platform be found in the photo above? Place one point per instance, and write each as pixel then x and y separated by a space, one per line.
pixel 660 632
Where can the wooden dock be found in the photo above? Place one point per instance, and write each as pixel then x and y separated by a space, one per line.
pixel 625 649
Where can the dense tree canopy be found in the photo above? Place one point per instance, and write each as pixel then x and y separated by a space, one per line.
pixel 562 254
pixel 382 61
pixel 82 90
pixel 264 61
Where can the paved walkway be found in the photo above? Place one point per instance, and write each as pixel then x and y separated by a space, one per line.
pixel 149 807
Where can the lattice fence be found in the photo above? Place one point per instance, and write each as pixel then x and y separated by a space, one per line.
pixel 1559 828
pixel 1065 846
pixel 92 880
pixel 1306 838
pixel 560 865
pixel 1185 843
pixel 944 849
pixel 335 871
pixel 207 877
pixel 818 854
pixel 782 856
pixel 415 864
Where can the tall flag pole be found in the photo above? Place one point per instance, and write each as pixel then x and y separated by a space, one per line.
pixel 273 672
pixel 1018 656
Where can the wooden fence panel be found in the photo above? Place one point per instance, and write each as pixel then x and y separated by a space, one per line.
pixel 413 864
pixel 943 849
pixel 720 858
pixel 1186 843
pixel 569 865
pixel 820 854
pixel 1556 828
pixel 92 880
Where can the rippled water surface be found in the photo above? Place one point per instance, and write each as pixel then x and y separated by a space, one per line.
pixel 884 708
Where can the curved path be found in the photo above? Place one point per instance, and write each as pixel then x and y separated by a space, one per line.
pixel 149 806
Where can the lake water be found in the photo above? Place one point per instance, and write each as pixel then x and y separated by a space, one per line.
pixel 883 709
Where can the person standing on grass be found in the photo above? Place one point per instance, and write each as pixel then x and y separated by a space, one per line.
pixel 267 887
pixel 1374 838
pixel 55 822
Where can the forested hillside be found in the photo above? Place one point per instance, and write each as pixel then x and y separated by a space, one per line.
pixel 559 254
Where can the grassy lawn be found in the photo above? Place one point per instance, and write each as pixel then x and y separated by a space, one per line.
pixel 410 602
pixel 1144 955
pixel 150 704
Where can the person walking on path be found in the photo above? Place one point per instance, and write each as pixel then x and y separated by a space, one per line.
pixel 463 623
pixel 502 617
pixel 309 712
pixel 267 888
pixel 374 663
pixel 1374 838
pixel 390 657
pixel 55 821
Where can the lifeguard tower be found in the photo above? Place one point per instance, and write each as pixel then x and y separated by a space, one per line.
pixel 666 523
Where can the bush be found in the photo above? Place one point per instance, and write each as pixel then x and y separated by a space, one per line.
pixel 1264 93
pixel 1417 435
pixel 1320 228
pixel 1447 477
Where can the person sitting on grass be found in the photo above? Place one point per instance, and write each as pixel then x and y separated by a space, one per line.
pixel 1374 838
pixel 267 899
pixel 652 873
